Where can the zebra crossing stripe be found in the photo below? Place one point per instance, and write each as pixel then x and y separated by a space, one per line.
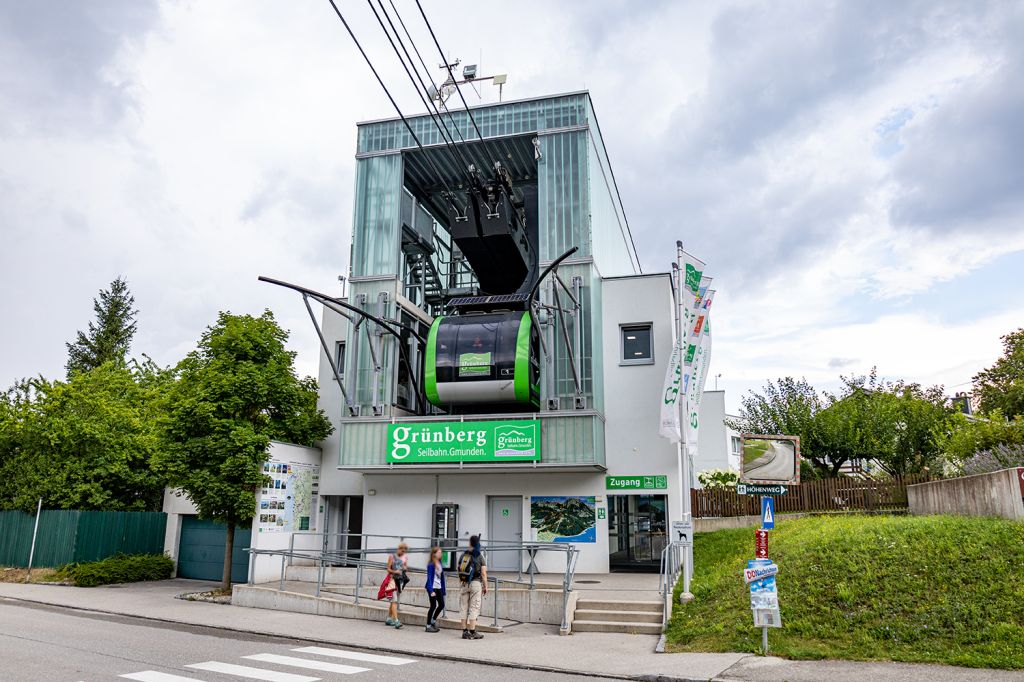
pixel 354 655
pixel 306 663
pixel 252 673
pixel 155 676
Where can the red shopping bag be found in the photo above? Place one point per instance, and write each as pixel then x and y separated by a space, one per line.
pixel 387 587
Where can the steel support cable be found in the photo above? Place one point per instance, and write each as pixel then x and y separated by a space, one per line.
pixel 426 69
pixel 448 67
pixel 387 92
pixel 449 141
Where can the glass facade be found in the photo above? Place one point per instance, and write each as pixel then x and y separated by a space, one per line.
pixel 577 205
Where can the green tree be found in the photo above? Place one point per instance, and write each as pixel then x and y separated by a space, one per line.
pixel 1001 386
pixel 961 437
pixel 84 443
pixel 110 337
pixel 234 394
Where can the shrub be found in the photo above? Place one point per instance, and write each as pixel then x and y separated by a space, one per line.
pixel 718 478
pixel 121 568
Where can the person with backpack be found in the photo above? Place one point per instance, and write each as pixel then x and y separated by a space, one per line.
pixel 397 565
pixel 472 587
pixel 435 589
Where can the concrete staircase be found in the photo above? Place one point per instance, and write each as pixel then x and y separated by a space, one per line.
pixel 613 615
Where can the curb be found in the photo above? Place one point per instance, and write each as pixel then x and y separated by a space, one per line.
pixel 390 650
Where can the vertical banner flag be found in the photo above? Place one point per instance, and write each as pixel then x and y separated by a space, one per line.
pixel 700 341
pixel 670 398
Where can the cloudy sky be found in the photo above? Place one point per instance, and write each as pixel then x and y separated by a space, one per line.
pixel 853 173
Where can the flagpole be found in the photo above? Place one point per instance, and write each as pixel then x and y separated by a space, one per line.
pixel 681 454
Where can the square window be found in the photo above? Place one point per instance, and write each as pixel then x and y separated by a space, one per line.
pixel 637 344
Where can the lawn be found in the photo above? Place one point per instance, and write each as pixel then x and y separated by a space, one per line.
pixel 935 589
pixel 752 449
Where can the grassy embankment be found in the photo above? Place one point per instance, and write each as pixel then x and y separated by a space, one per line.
pixel 753 449
pixel 925 589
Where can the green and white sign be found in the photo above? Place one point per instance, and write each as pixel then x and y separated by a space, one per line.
pixel 474 364
pixel 636 482
pixel 516 440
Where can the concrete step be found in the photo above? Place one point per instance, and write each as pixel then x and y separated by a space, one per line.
pixel 613 626
pixel 618 616
pixel 588 604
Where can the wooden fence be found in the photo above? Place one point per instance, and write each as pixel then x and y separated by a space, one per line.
pixel 828 495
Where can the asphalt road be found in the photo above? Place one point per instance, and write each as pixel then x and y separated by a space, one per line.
pixel 774 465
pixel 55 644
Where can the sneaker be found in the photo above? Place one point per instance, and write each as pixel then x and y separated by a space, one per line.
pixel 433 628
pixel 390 621
pixel 466 635
pixel 397 624
pixel 473 634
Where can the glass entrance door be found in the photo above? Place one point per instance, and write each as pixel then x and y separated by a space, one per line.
pixel 637 531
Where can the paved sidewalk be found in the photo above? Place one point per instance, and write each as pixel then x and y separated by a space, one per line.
pixel 526 645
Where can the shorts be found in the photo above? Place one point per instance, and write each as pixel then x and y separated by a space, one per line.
pixel 470 597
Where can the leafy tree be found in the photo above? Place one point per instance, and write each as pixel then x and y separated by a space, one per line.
pixel 961 438
pixel 82 444
pixel 234 394
pixel 1001 386
pixel 110 336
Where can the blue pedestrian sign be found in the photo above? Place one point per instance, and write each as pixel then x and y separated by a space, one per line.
pixel 768 513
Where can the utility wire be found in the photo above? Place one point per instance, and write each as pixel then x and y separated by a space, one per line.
pixel 426 69
pixel 387 92
pixel 447 66
pixel 446 137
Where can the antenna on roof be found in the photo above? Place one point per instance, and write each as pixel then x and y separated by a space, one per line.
pixel 469 76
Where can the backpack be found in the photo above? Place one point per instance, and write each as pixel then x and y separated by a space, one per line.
pixel 467 567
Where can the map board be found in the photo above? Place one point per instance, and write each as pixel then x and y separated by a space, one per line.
pixel 289 500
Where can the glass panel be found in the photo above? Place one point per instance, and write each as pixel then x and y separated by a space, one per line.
pixel 376 232
pixel 637 530
pixel 563 202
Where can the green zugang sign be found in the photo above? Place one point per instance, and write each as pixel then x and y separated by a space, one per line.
pixel 515 440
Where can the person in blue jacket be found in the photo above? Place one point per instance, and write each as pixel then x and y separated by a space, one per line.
pixel 435 589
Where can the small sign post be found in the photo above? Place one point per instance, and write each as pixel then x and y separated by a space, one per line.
pixel 768 513
pixel 761 543
pixel 760 489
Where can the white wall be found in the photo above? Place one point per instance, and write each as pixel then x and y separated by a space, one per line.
pixel 335 328
pixel 402 506
pixel 713 439
pixel 633 392
pixel 176 506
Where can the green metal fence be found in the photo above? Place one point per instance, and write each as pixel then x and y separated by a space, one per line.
pixel 71 536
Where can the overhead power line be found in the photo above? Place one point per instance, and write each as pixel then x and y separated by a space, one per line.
pixel 448 66
pixel 446 136
pixel 416 139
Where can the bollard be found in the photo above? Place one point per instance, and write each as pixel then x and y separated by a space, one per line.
pixel 496 602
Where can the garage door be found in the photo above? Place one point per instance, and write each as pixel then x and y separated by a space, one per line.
pixel 201 551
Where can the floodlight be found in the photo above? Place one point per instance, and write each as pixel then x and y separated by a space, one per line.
pixel 469 71
pixel 500 79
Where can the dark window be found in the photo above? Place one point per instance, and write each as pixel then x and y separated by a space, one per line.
pixel 339 357
pixel 637 344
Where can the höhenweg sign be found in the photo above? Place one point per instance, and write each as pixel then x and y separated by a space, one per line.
pixel 514 440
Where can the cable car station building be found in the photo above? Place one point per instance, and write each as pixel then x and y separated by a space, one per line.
pixel 507 398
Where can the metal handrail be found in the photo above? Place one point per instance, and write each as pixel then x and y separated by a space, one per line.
pixel 671 568
pixel 322 557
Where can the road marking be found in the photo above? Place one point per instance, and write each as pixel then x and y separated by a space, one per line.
pixel 354 655
pixel 154 676
pixel 306 663
pixel 252 673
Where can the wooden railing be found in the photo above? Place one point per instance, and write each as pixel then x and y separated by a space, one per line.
pixel 827 495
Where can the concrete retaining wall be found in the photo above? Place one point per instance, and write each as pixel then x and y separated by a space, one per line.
pixel 723 522
pixel 999 493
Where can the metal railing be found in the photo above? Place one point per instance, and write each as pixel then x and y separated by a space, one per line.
pixel 673 564
pixel 358 558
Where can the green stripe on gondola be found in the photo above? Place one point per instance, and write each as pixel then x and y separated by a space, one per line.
pixel 430 366
pixel 522 367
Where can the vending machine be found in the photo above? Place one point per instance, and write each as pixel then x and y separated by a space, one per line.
pixel 445 531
